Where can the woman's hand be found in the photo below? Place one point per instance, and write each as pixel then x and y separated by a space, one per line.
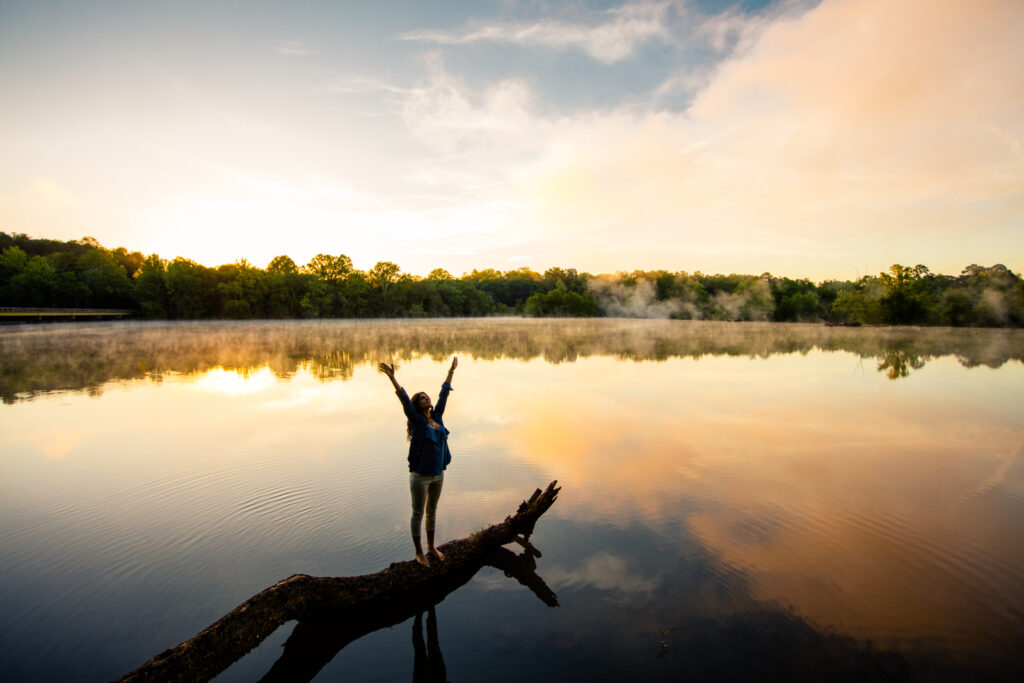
pixel 455 364
pixel 389 370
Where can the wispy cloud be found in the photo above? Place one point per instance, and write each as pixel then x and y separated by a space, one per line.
pixel 354 84
pixel 733 31
pixel 444 113
pixel 614 39
pixel 293 48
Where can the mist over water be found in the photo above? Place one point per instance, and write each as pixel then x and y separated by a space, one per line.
pixel 81 357
pixel 741 500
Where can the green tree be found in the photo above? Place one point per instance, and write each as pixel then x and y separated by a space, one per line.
pixel 665 285
pixel 12 261
pixel 315 301
pixel 150 290
pixel 795 300
pixel 903 303
pixel 569 276
pixel 560 302
pixel 382 276
pixel 130 261
pixel 482 275
pixel 283 265
pixel 329 268
pixel 105 279
pixel 191 292
pixel 855 305
pixel 243 290
pixel 356 296
pixel 35 285
pixel 801 306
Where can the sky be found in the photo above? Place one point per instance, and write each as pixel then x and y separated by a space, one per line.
pixel 808 139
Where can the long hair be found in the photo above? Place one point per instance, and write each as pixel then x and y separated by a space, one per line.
pixel 408 423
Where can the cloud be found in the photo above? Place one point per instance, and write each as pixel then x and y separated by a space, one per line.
pixel 906 101
pixel 603 571
pixel 444 113
pixel 616 38
pixel 309 189
pixel 832 131
pixel 292 48
pixel 354 84
pixel 57 446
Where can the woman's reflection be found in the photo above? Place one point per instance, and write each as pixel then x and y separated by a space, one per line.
pixel 428 663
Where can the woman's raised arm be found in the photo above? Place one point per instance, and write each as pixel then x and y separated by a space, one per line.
pixel 407 406
pixel 442 399
pixel 451 370
pixel 389 370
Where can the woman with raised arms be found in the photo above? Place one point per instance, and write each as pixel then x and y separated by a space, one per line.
pixel 428 456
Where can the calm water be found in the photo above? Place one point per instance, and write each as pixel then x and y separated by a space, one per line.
pixel 740 500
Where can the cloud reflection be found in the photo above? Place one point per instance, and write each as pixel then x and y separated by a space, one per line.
pixel 864 509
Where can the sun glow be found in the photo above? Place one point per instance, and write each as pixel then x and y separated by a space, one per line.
pixel 236 382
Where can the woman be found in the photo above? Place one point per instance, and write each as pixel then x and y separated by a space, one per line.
pixel 428 456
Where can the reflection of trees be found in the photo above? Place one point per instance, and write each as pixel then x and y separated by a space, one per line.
pixel 897 363
pixel 35 359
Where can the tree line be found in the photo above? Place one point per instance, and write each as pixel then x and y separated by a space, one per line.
pixel 84 274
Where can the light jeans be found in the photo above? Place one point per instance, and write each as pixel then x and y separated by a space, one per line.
pixel 425 489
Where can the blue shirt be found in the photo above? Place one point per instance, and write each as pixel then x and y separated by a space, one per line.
pixel 428 447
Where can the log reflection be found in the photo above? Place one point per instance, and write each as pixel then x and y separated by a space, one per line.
pixel 315 642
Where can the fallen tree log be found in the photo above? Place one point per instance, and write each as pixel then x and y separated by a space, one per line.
pixel 313 643
pixel 392 591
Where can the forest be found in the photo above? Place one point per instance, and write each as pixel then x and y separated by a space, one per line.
pixel 45 273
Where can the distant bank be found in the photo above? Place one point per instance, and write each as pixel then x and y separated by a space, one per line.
pixel 59 279
pixel 12 314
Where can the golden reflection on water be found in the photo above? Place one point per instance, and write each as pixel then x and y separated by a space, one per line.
pixel 235 382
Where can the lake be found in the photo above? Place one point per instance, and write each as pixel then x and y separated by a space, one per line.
pixel 740 500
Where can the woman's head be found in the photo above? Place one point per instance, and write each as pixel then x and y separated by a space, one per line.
pixel 421 401
pixel 421 404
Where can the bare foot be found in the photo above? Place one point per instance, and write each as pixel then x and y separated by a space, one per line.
pixel 421 558
pixel 436 553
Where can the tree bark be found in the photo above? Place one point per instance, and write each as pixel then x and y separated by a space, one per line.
pixel 404 587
